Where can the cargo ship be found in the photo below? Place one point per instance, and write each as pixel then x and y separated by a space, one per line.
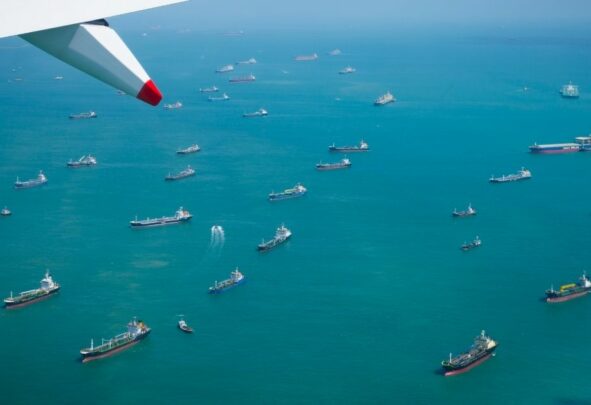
pixel 335 52
pixel 304 58
pixel 48 288
pixel 251 61
pixel 136 332
pixel 84 115
pixel 362 147
pixel 474 244
pixel 467 213
pixel 569 291
pixel 555 148
pixel 343 164
pixel 180 216
pixel 223 97
pixel 297 191
pixel 384 99
pixel 190 149
pixel 242 79
pixel 569 90
pixel 212 89
pixel 522 174
pixel 584 143
pixel 261 112
pixel 281 235
pixel 481 350
pixel 5 212
pixel 236 277
pixel 174 106
pixel 188 172
pixel 347 70
pixel 225 69
pixel 39 181
pixel 84 161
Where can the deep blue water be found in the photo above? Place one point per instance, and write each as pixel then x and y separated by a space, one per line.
pixel 372 292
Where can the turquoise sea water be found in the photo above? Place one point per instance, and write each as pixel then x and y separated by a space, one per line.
pixel 371 293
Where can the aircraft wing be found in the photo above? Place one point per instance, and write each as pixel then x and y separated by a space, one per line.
pixel 75 32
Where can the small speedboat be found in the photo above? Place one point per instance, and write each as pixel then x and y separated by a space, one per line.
pixel 5 212
pixel 184 327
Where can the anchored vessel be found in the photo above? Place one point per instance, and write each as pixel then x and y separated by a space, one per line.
pixel 303 58
pixel 347 70
pixel 569 90
pixel 188 172
pixel 191 149
pixel 248 78
pixel 335 52
pixel 569 291
pixel 180 216
pixel 225 69
pixel 343 164
pixel 584 143
pixel 84 161
pixel 84 115
pixel 136 331
pixel 184 327
pixel 236 277
pixel 467 213
pixel 474 244
pixel 481 350
pixel 5 212
pixel 261 112
pixel 39 181
pixel 212 89
pixel 523 174
pixel 173 106
pixel 281 235
pixel 554 148
pixel 362 147
pixel 384 99
pixel 48 287
pixel 250 61
pixel 223 97
pixel 297 191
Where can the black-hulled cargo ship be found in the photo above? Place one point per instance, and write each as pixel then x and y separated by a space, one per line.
pixel 136 331
pixel 39 181
pixel 481 350
pixel 188 172
pixel 236 277
pixel 297 191
pixel 466 213
pixel 474 244
pixel 343 164
pixel 281 235
pixel 180 216
pixel 48 287
pixel 570 291
pixel 362 147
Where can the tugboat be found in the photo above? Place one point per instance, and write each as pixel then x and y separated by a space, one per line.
pixel 555 148
pixel 343 164
pixel 523 174
pixel 136 332
pixel 83 116
pixel 348 70
pixel 188 172
pixel 474 244
pixel 224 97
pixel 191 149
pixel 362 147
pixel 251 61
pixel 467 213
pixel 5 212
pixel 297 191
pixel 481 350
pixel 48 288
pixel 570 291
pixel 240 79
pixel 39 181
pixel 212 89
pixel 180 216
pixel 84 161
pixel 236 277
pixel 225 69
pixel 184 327
pixel 304 58
pixel 569 91
pixel 174 106
pixel 384 99
pixel 281 235
pixel 261 112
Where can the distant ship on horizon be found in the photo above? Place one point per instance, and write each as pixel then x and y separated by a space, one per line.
pixel 212 89
pixel 384 99
pixel 225 69
pixel 174 106
pixel 223 97
pixel 569 90
pixel 304 58
pixel 261 112
pixel 251 61
pixel 83 115
pixel 243 79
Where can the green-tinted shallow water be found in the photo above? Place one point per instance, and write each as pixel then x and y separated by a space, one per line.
pixel 371 293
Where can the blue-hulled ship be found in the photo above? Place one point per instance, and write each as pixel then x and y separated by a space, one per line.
pixel 236 277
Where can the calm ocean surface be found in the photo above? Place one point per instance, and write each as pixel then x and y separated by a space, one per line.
pixel 371 293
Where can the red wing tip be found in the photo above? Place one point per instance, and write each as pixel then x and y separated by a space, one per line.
pixel 150 93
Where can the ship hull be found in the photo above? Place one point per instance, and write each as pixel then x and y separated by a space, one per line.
pixel 32 301
pixel 347 150
pixel 327 168
pixel 158 223
pixel 270 246
pixel 465 369
pixel 221 290
pixel 569 297
pixel 285 197
pixel 92 356
pixel 22 186
pixel 553 151
pixel 508 180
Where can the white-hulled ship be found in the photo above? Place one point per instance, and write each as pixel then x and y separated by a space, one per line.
pixel 5 212
pixel 189 149
pixel 212 89
pixel 384 99
pixel 180 216
pixel 225 69
pixel 282 234
pixel 243 79
pixel 84 115
pixel 39 181
pixel 522 174
pixel 223 97
pixel 174 106
pixel 251 61
pixel 569 90
pixel 188 172
pixel 261 112
pixel 343 164
pixel 304 58
pixel 84 161
pixel 347 70
pixel 48 287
